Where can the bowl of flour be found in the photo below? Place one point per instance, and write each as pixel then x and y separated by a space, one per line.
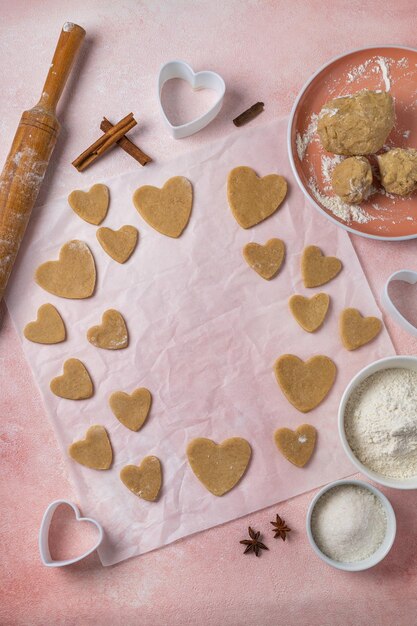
pixel 378 421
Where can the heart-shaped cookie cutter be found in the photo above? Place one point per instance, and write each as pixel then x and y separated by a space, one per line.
pixel 406 276
pixel 197 80
pixel 44 535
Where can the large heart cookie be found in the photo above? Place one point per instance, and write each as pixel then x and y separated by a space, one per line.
pixel 90 205
pixel 75 383
pixel 355 330
pixel 266 259
pixel 219 466
pixel 305 384
pixel 144 480
pixel 111 334
pixel 131 410
pixel 119 244
pixel 310 312
pixel 168 209
pixel 48 327
pixel 317 269
pixel 95 450
pixel 253 199
pixel 297 446
pixel 73 275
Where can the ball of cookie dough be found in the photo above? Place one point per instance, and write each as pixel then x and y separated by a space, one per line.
pixel 398 169
pixel 352 179
pixel 357 124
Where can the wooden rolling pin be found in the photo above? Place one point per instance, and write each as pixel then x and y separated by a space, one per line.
pixel 31 150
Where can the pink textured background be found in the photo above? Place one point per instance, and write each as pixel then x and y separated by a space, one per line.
pixel 264 50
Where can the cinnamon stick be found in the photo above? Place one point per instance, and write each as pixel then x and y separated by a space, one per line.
pixel 249 114
pixel 102 144
pixel 127 145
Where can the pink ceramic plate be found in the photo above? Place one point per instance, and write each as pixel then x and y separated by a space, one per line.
pixel 391 68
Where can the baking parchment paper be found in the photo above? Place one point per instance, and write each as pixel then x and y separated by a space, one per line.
pixel 204 331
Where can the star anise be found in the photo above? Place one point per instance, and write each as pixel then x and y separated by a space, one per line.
pixel 253 544
pixel 280 528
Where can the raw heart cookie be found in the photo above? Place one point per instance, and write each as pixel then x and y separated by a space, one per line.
pixel 94 451
pixel 168 209
pixel 48 328
pixel 119 244
pixel 317 269
pixel 144 480
pixel 219 466
pixel 310 312
pixel 305 384
pixel 75 383
pixel 356 330
pixel 90 205
pixel 266 259
pixel 253 199
pixel 111 334
pixel 131 410
pixel 296 445
pixel 73 275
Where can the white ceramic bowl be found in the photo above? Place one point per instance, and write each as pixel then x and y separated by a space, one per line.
pixel 408 362
pixel 384 548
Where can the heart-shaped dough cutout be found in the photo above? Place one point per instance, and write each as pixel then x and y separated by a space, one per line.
pixel 297 446
pixel 266 259
pixel 73 275
pixel 144 480
pixel 356 330
pixel 305 384
pixel 111 334
pixel 48 328
pixel 317 269
pixel 219 466
pixel 131 410
pixel 168 209
pixel 75 383
pixel 253 199
pixel 90 205
pixel 119 244
pixel 95 450
pixel 310 313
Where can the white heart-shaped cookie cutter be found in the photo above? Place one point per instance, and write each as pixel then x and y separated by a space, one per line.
pixel 406 276
pixel 44 535
pixel 197 80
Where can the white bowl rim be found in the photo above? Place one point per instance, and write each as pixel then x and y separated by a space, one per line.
pixel 396 361
pixel 384 548
pixel 290 152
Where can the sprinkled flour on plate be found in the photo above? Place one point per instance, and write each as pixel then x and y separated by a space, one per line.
pixel 302 141
pixel 342 210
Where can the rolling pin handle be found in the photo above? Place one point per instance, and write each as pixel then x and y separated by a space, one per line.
pixel 67 47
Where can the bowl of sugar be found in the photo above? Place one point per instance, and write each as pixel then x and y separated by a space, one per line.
pixel 351 525
pixel 378 421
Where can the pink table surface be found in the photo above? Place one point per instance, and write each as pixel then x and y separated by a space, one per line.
pixel 264 50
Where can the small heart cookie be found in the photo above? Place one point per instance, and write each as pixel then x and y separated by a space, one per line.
pixel 75 383
pixel 305 384
pixel 297 446
pixel 144 480
pixel 90 205
pixel 356 330
pixel 73 275
pixel 317 269
pixel 219 466
pixel 119 244
pixel 48 328
pixel 94 451
pixel 168 209
pixel 111 334
pixel 310 312
pixel 266 259
pixel 131 410
pixel 252 199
